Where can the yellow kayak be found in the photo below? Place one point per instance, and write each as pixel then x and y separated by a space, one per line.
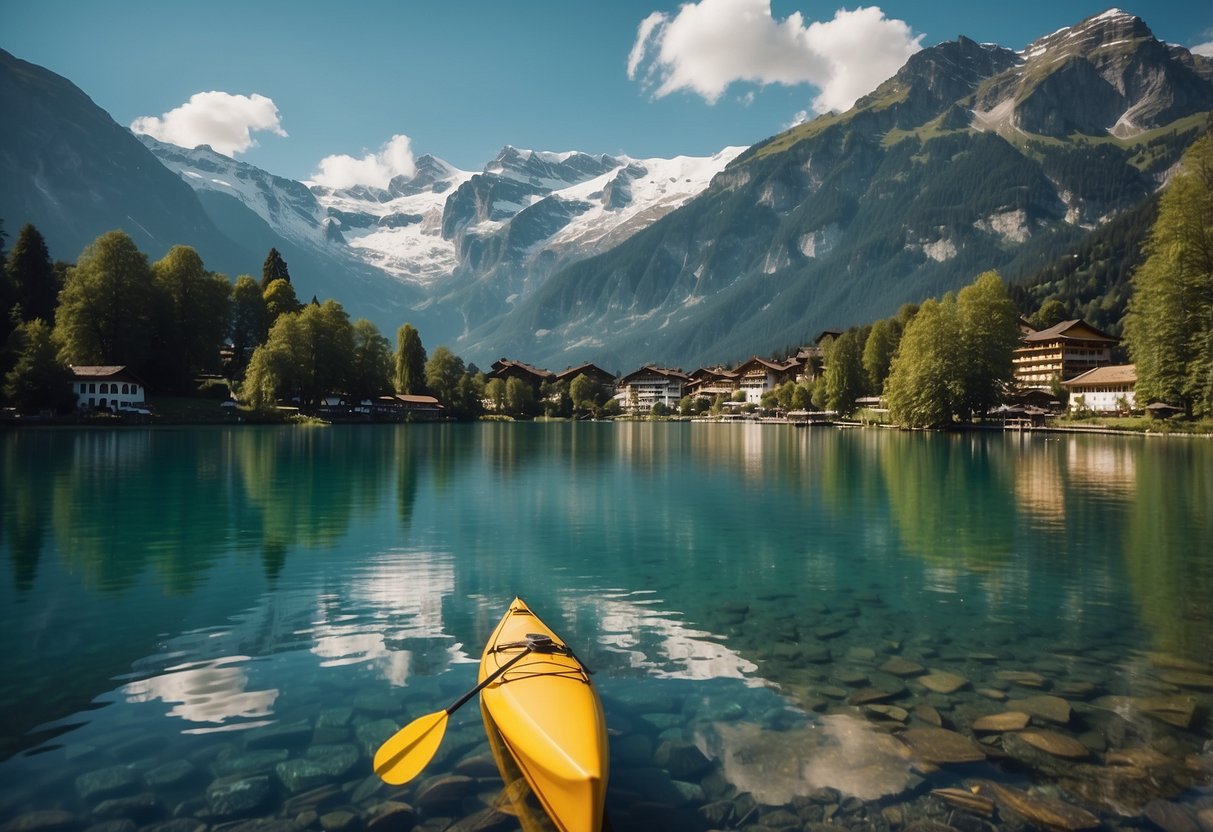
pixel 550 718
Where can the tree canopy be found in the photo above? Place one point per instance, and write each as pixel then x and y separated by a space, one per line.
pixel 409 363
pixel 33 276
pixel 274 268
pixel 1169 327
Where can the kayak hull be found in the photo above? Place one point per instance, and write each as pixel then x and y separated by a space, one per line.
pixel 550 721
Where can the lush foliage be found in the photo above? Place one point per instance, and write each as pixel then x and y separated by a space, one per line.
pixel 954 356
pixel 1169 328
pixel 191 319
pixel 409 364
pixel 38 379
pixel 34 279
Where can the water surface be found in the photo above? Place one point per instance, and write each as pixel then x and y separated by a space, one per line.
pixel 248 599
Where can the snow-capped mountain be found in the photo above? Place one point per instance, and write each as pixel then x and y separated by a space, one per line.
pixel 399 228
pixel 286 206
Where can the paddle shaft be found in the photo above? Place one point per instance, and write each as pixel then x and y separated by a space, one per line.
pixel 488 680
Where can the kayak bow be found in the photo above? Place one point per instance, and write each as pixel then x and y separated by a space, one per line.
pixel 550 718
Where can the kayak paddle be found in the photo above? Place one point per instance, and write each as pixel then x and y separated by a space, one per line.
pixel 407 752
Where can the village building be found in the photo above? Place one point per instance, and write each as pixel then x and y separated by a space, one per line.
pixel 591 371
pixel 506 369
pixel 1060 353
pixel 710 382
pixel 109 387
pixel 1110 389
pixel 759 375
pixel 641 390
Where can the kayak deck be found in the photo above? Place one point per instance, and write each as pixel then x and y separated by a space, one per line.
pixel 550 719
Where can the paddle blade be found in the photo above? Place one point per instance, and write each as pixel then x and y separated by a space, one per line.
pixel 406 753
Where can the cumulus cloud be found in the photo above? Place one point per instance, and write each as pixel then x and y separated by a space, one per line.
pixel 708 45
pixel 376 169
pixel 1205 49
pixel 224 121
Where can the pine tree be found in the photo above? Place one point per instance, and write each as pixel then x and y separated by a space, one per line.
pixel 409 370
pixel 33 275
pixel 273 269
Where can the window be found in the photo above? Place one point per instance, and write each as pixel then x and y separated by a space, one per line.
pixel 92 388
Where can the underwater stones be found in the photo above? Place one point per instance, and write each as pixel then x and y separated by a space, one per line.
pixel 390 816
pixel 992 693
pixel 45 820
pixel 443 789
pixel 892 712
pixel 141 808
pixel 1172 662
pixel 897 666
pixel 850 677
pixel 288 735
pixel 867 696
pixel 815 653
pixel 632 750
pixel 1049 708
pixel 863 655
pixel 1045 811
pixel 233 797
pixel 1005 721
pixel 1143 758
pixel 104 783
pixel 939 681
pixel 1173 710
pixel 376 704
pixel 120 825
pixel 965 799
pixel 371 735
pixel 339 821
pixel 315 800
pixel 827 633
pixel 941 746
pixel 1023 678
pixel 321 764
pixel 233 761
pixel 927 713
pixel 1169 817
pixel 1052 742
pixel 1187 679
pixel 170 774
pixel 682 760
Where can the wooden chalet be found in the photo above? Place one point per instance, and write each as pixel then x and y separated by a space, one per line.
pixel 710 382
pixel 1060 352
pixel 760 375
pixel 590 371
pixel 506 369
pixel 1110 389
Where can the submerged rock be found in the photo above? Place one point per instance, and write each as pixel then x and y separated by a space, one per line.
pixel 940 682
pixel 237 796
pixel 321 764
pixel 46 820
pixel 104 783
pixel 965 799
pixel 1005 721
pixel 390 816
pixel 898 666
pixel 1050 812
pixel 939 745
pixel 1054 743
pixel 1170 817
pixel 1174 710
pixel 1049 708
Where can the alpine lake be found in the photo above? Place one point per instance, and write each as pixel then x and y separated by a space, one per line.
pixel 213 629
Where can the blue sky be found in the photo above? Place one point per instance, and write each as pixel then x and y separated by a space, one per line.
pixel 313 80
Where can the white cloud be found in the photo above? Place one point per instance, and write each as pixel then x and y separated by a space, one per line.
pixel 377 169
pixel 220 119
pixel 800 118
pixel 1205 49
pixel 710 44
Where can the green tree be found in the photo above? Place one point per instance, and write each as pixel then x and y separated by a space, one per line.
pixel 588 396
pixel 330 341
pixel 988 331
pixel 443 372
pixel 557 400
pixel 191 320
pixel 844 377
pixel 33 276
pixel 371 373
pixel 920 388
pixel 249 320
pixel 38 379
pixel 519 398
pixel 470 391
pixel 274 268
pixel 1169 326
pixel 879 350
pixel 280 299
pixel 106 307
pixel 494 391
pixel 1050 313
pixel 410 361
pixel 278 365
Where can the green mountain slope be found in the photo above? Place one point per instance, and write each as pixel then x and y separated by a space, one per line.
pixel 930 180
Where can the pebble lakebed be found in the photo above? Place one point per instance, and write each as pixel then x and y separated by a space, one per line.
pixel 864 722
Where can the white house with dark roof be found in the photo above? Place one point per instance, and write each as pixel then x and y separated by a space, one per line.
pixel 107 387
pixel 639 391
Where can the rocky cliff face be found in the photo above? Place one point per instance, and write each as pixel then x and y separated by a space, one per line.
pixel 965 160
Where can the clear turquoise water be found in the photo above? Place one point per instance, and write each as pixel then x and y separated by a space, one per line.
pixel 170 592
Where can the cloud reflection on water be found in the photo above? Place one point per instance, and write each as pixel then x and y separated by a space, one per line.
pixel 210 692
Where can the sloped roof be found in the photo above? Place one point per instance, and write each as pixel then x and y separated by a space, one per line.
pixel 661 371
pixel 504 365
pixel 583 369
pixel 774 366
pixel 1077 329
pixel 1112 374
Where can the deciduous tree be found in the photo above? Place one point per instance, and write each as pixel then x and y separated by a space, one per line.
pixel 249 319
pixel 843 376
pixel 280 299
pixel 921 385
pixel 988 332
pixel 191 319
pixel 106 307
pixel 371 373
